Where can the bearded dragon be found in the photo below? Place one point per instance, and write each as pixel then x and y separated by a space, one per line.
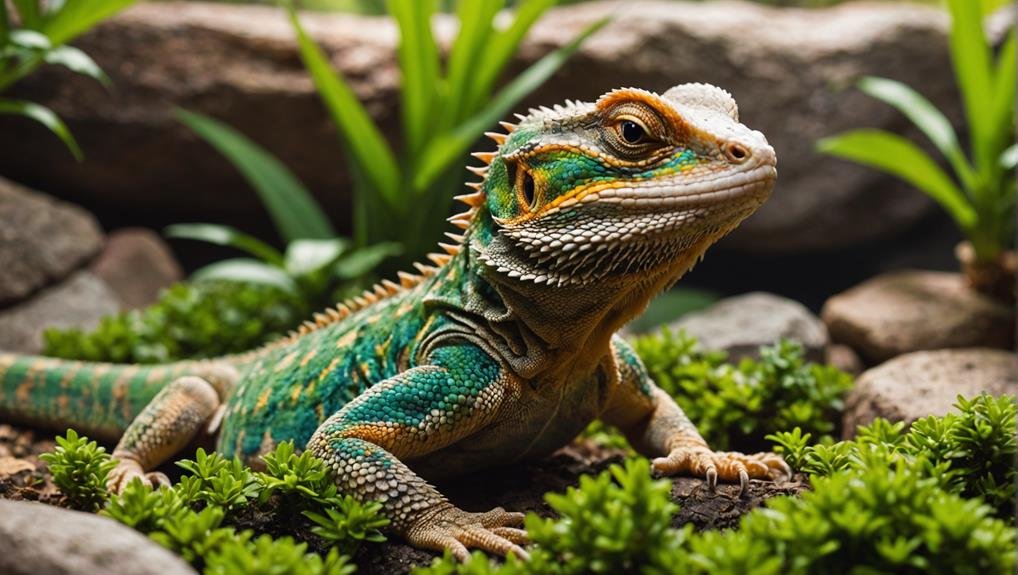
pixel 500 352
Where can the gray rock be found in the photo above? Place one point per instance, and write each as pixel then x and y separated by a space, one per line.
pixel 42 240
pixel 740 325
pixel 36 538
pixel 927 383
pixel 238 63
pixel 909 311
pixel 78 302
pixel 136 264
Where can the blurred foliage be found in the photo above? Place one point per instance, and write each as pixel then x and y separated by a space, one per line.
pixel 36 32
pixel 190 320
pixel 981 196
pixel 735 406
pixel 670 306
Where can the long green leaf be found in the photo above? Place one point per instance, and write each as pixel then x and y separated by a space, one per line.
pixel 900 157
pixel 28 13
pixel 47 118
pixel 418 58
pixel 970 55
pixel 248 271
pixel 76 17
pixel 926 117
pixel 451 147
pixel 5 25
pixel 1003 101
pixel 364 142
pixel 363 260
pixel 469 55
pixel 291 207
pixel 226 236
pixel 502 47
pixel 305 257
pixel 77 61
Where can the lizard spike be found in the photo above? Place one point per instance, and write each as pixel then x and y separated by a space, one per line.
pixel 485 157
pixel 479 170
pixel 308 325
pixel 321 319
pixel 520 117
pixel 458 238
pixel 473 200
pixel 451 249
pixel 461 223
pixel 439 259
pixel 360 301
pixel 380 290
pixel 474 185
pixel 407 279
pixel 334 314
pixel 499 137
pixel 344 309
pixel 509 127
pixel 391 286
pixel 425 269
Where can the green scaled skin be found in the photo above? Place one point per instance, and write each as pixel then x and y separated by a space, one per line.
pixel 503 352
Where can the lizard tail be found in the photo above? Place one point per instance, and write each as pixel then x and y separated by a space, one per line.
pixel 99 399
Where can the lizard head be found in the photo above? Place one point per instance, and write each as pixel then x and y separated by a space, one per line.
pixel 634 184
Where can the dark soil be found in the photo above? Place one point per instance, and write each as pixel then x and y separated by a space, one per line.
pixel 519 488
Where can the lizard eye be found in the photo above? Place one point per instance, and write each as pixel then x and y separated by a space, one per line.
pixel 631 132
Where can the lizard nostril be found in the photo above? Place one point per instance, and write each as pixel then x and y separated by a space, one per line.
pixel 736 152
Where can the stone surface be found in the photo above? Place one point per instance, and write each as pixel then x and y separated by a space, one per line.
pixel 136 264
pixel 927 383
pixel 740 325
pixel 37 538
pixel 42 240
pixel 78 302
pixel 792 78
pixel 908 311
pixel 844 358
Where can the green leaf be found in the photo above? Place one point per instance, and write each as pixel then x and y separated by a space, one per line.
pixel 365 259
pixel 309 256
pixel 1009 159
pixel 926 117
pixel 451 147
pixel 364 142
pixel 78 62
pixel 291 207
pixel 468 57
pixel 246 270
pixel 970 56
pixel 76 17
pixel 28 12
pixel 30 39
pixel 47 118
pixel 900 157
pixel 418 59
pixel 226 236
pixel 1004 92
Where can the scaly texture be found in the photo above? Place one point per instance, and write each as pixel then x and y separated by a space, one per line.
pixel 503 351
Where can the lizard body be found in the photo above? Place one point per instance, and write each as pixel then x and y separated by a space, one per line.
pixel 504 351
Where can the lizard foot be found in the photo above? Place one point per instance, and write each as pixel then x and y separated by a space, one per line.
pixel 727 465
pixel 452 528
pixel 127 470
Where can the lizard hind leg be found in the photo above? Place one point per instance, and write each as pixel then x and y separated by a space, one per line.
pixel 189 405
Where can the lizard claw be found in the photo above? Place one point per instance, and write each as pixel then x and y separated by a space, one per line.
pixel 728 466
pixel 128 470
pixel 457 530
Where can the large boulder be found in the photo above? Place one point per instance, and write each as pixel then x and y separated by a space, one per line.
pixel 42 240
pixel 137 265
pixel 790 69
pixel 38 538
pixel 928 383
pixel 740 325
pixel 909 311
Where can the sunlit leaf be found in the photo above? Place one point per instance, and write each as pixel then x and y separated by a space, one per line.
pixel 77 61
pixel 970 56
pixel 248 271
pixel 418 59
pixel 26 38
pixel 291 207
pixel 469 55
pixel 1009 159
pixel 309 256
pixel 226 236
pixel 78 16
pixel 47 118
pixel 363 260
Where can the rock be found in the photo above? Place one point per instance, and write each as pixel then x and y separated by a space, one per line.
pixel 37 538
pixel 136 264
pixel 42 240
pixel 78 302
pixel 907 311
pixel 791 77
pixel 926 383
pixel 844 358
pixel 740 325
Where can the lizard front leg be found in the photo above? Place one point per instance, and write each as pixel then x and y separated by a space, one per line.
pixel 172 419
pixel 410 415
pixel 656 427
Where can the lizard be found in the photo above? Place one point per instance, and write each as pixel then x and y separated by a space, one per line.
pixel 504 350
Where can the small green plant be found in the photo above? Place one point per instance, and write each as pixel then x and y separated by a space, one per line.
pixel 218 482
pixel 349 523
pixel 981 197
pixel 79 469
pixel 735 406
pixel 190 320
pixel 34 33
pixel 268 556
pixel 303 476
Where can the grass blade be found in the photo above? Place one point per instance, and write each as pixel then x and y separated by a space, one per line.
pixel 79 62
pixel 248 271
pixel 451 147
pixel 898 156
pixel 926 117
pixel 468 57
pixel 364 143
pixel 78 16
pixel 226 236
pixel 418 58
pixel 291 207
pixel 970 56
pixel 28 13
pixel 1004 92
pixel 47 118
